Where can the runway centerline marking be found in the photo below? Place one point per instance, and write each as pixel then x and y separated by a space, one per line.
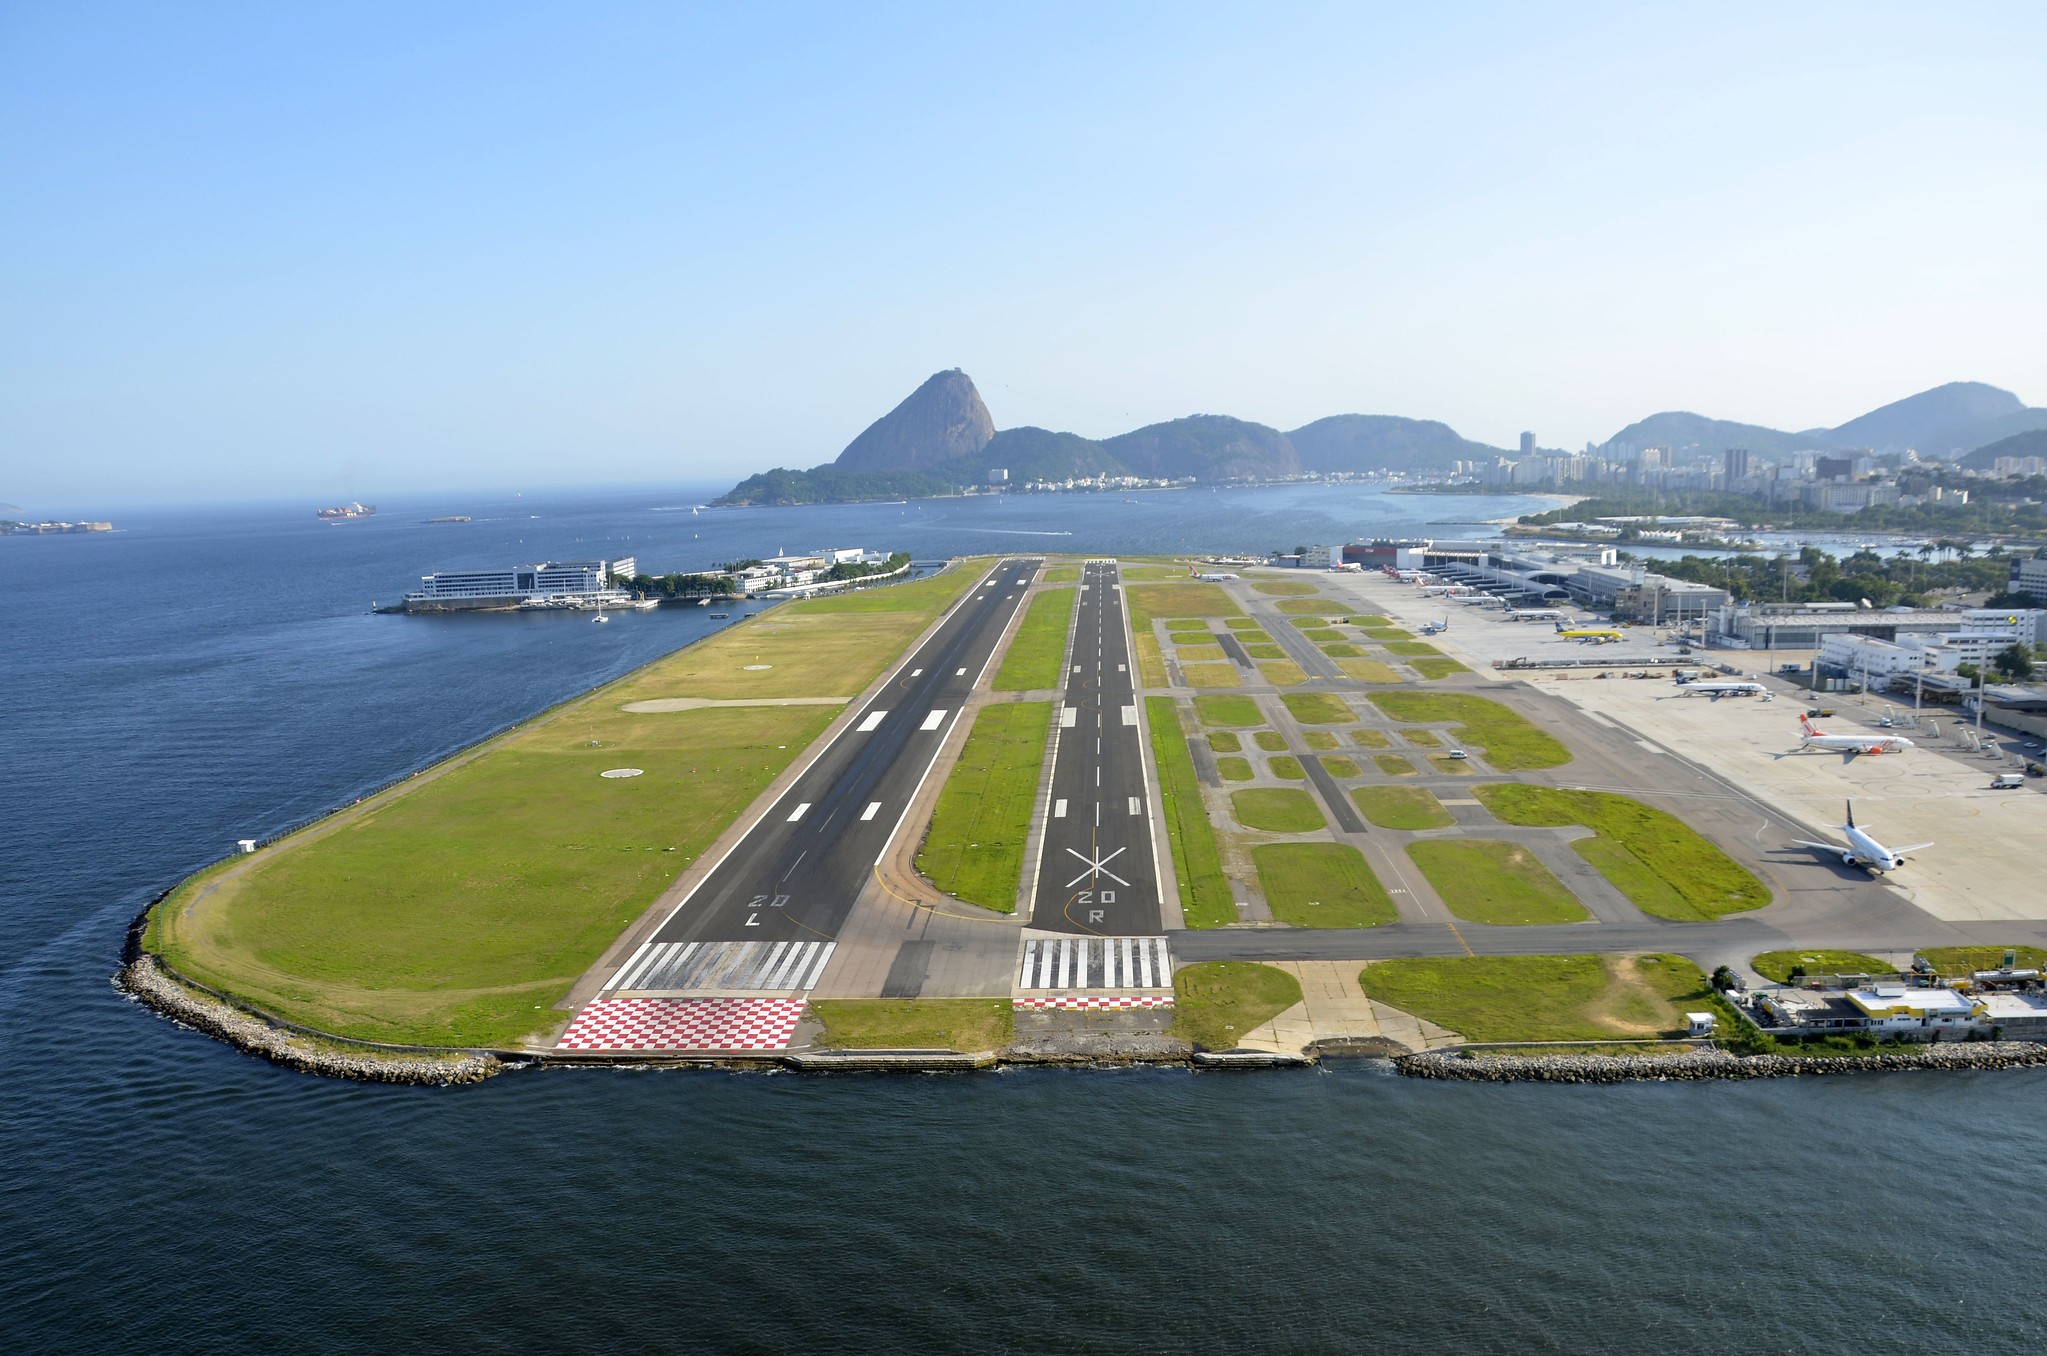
pixel 872 809
pixel 797 813
pixel 934 720
pixel 874 719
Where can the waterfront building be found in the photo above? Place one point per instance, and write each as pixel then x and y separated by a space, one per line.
pixel 564 583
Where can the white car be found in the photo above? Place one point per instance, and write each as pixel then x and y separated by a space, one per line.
pixel 1457 753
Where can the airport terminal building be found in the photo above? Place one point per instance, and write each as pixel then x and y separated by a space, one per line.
pixel 551 583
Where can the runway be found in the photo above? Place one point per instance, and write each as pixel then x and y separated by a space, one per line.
pixel 1097 869
pixel 765 918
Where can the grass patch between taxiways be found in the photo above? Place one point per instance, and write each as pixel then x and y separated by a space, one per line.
pixel 1223 741
pixel 1217 1003
pixel 1282 672
pixel 1440 667
pixel 1318 708
pixel 1287 768
pixel 1483 880
pixel 1238 711
pixel 1033 661
pixel 1544 998
pixel 969 1025
pixel 975 848
pixel 1276 810
pixel 1205 897
pixel 1211 675
pixel 1401 807
pixel 1368 671
pixel 1284 588
pixel 1393 765
pixel 1232 768
pixel 458 908
pixel 1272 741
pixel 1511 743
pixel 1658 861
pixel 1320 739
pixel 1952 961
pixel 1321 885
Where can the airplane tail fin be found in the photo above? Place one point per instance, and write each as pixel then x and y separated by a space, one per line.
pixel 1851 814
pixel 1805 724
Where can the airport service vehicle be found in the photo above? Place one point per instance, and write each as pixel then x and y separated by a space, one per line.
pixel 1716 690
pixel 1864 851
pixel 2007 781
pixel 1457 753
pixel 1850 744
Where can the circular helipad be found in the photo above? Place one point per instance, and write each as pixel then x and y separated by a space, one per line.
pixel 622 772
pixel 756 668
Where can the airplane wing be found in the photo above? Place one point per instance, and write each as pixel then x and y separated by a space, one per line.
pixel 1909 847
pixel 1824 847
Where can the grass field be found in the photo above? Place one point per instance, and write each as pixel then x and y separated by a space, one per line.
pixel 1321 634
pixel 1320 739
pixel 1954 961
pixel 1211 675
pixel 1421 739
pixel 1202 654
pixel 1237 711
pixel 1482 880
pixel 1063 574
pixel 1282 672
pixel 1318 708
pixel 1370 739
pixel 1142 573
pixel 458 908
pixel 1265 651
pixel 1223 741
pixel 1151 665
pixel 1341 651
pixel 1393 765
pixel 1387 634
pixel 1655 859
pixel 1413 649
pixel 1216 1003
pixel 1305 606
pixel 1321 885
pixel 1401 807
pixel 1188 627
pixel 1511 744
pixel 1284 588
pixel 1367 671
pixel 1251 635
pixel 1148 601
pixel 1305 624
pixel 1242 623
pixel 1234 768
pixel 1204 891
pixel 1369 620
pixel 1276 810
pixel 1448 766
pixel 1341 767
pixel 1032 663
pixel 969 1025
pixel 1438 668
pixel 1286 767
pixel 1777 965
pixel 1272 741
pixel 1544 998
pixel 975 848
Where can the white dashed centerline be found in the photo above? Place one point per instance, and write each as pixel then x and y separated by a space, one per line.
pixel 874 718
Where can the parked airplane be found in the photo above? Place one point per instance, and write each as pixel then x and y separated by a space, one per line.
pixel 1598 635
pixel 1850 744
pixel 1548 614
pixel 1429 628
pixel 1716 690
pixel 1864 851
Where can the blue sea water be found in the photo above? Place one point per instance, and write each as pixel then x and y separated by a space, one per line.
pixel 202 676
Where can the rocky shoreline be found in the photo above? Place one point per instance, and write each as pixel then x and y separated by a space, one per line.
pixel 1709 1063
pixel 144 980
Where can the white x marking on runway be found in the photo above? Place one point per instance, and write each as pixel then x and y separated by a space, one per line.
pixel 1096 866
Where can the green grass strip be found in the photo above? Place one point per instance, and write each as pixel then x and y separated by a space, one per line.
pixel 1032 663
pixel 969 1025
pixel 1661 863
pixel 1544 998
pixel 975 848
pixel 1401 807
pixel 1205 896
pixel 1778 965
pixel 1483 880
pixel 1232 768
pixel 1437 668
pixel 1318 708
pixel 1239 711
pixel 1288 767
pixel 1321 885
pixel 1276 810
pixel 1217 1003
pixel 1955 961
pixel 1510 742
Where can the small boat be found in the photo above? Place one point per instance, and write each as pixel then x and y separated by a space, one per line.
pixel 720 616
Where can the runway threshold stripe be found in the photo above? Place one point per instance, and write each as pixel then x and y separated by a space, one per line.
pixel 824 956
pixel 797 813
pixel 1058 809
pixel 934 720
pixel 1129 712
pixel 618 980
pixel 874 718
pixel 870 811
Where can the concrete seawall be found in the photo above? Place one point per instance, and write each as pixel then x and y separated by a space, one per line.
pixel 1704 1064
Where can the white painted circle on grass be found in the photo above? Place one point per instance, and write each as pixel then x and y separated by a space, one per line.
pixel 622 772
pixel 756 668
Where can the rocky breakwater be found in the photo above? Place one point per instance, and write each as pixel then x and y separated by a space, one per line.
pixel 1710 1063
pixel 144 979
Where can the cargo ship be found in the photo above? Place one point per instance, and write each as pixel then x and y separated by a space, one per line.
pixel 348 511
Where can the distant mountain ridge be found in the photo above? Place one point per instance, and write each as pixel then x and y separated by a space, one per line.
pixel 942 438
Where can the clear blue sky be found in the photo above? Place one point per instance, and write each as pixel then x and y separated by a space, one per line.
pixel 362 248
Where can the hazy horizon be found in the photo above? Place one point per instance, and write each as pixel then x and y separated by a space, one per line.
pixel 260 253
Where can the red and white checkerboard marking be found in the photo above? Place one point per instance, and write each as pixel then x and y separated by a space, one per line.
pixel 683 1024
pixel 1098 1000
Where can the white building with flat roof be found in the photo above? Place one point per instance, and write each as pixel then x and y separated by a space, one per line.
pixel 557 582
